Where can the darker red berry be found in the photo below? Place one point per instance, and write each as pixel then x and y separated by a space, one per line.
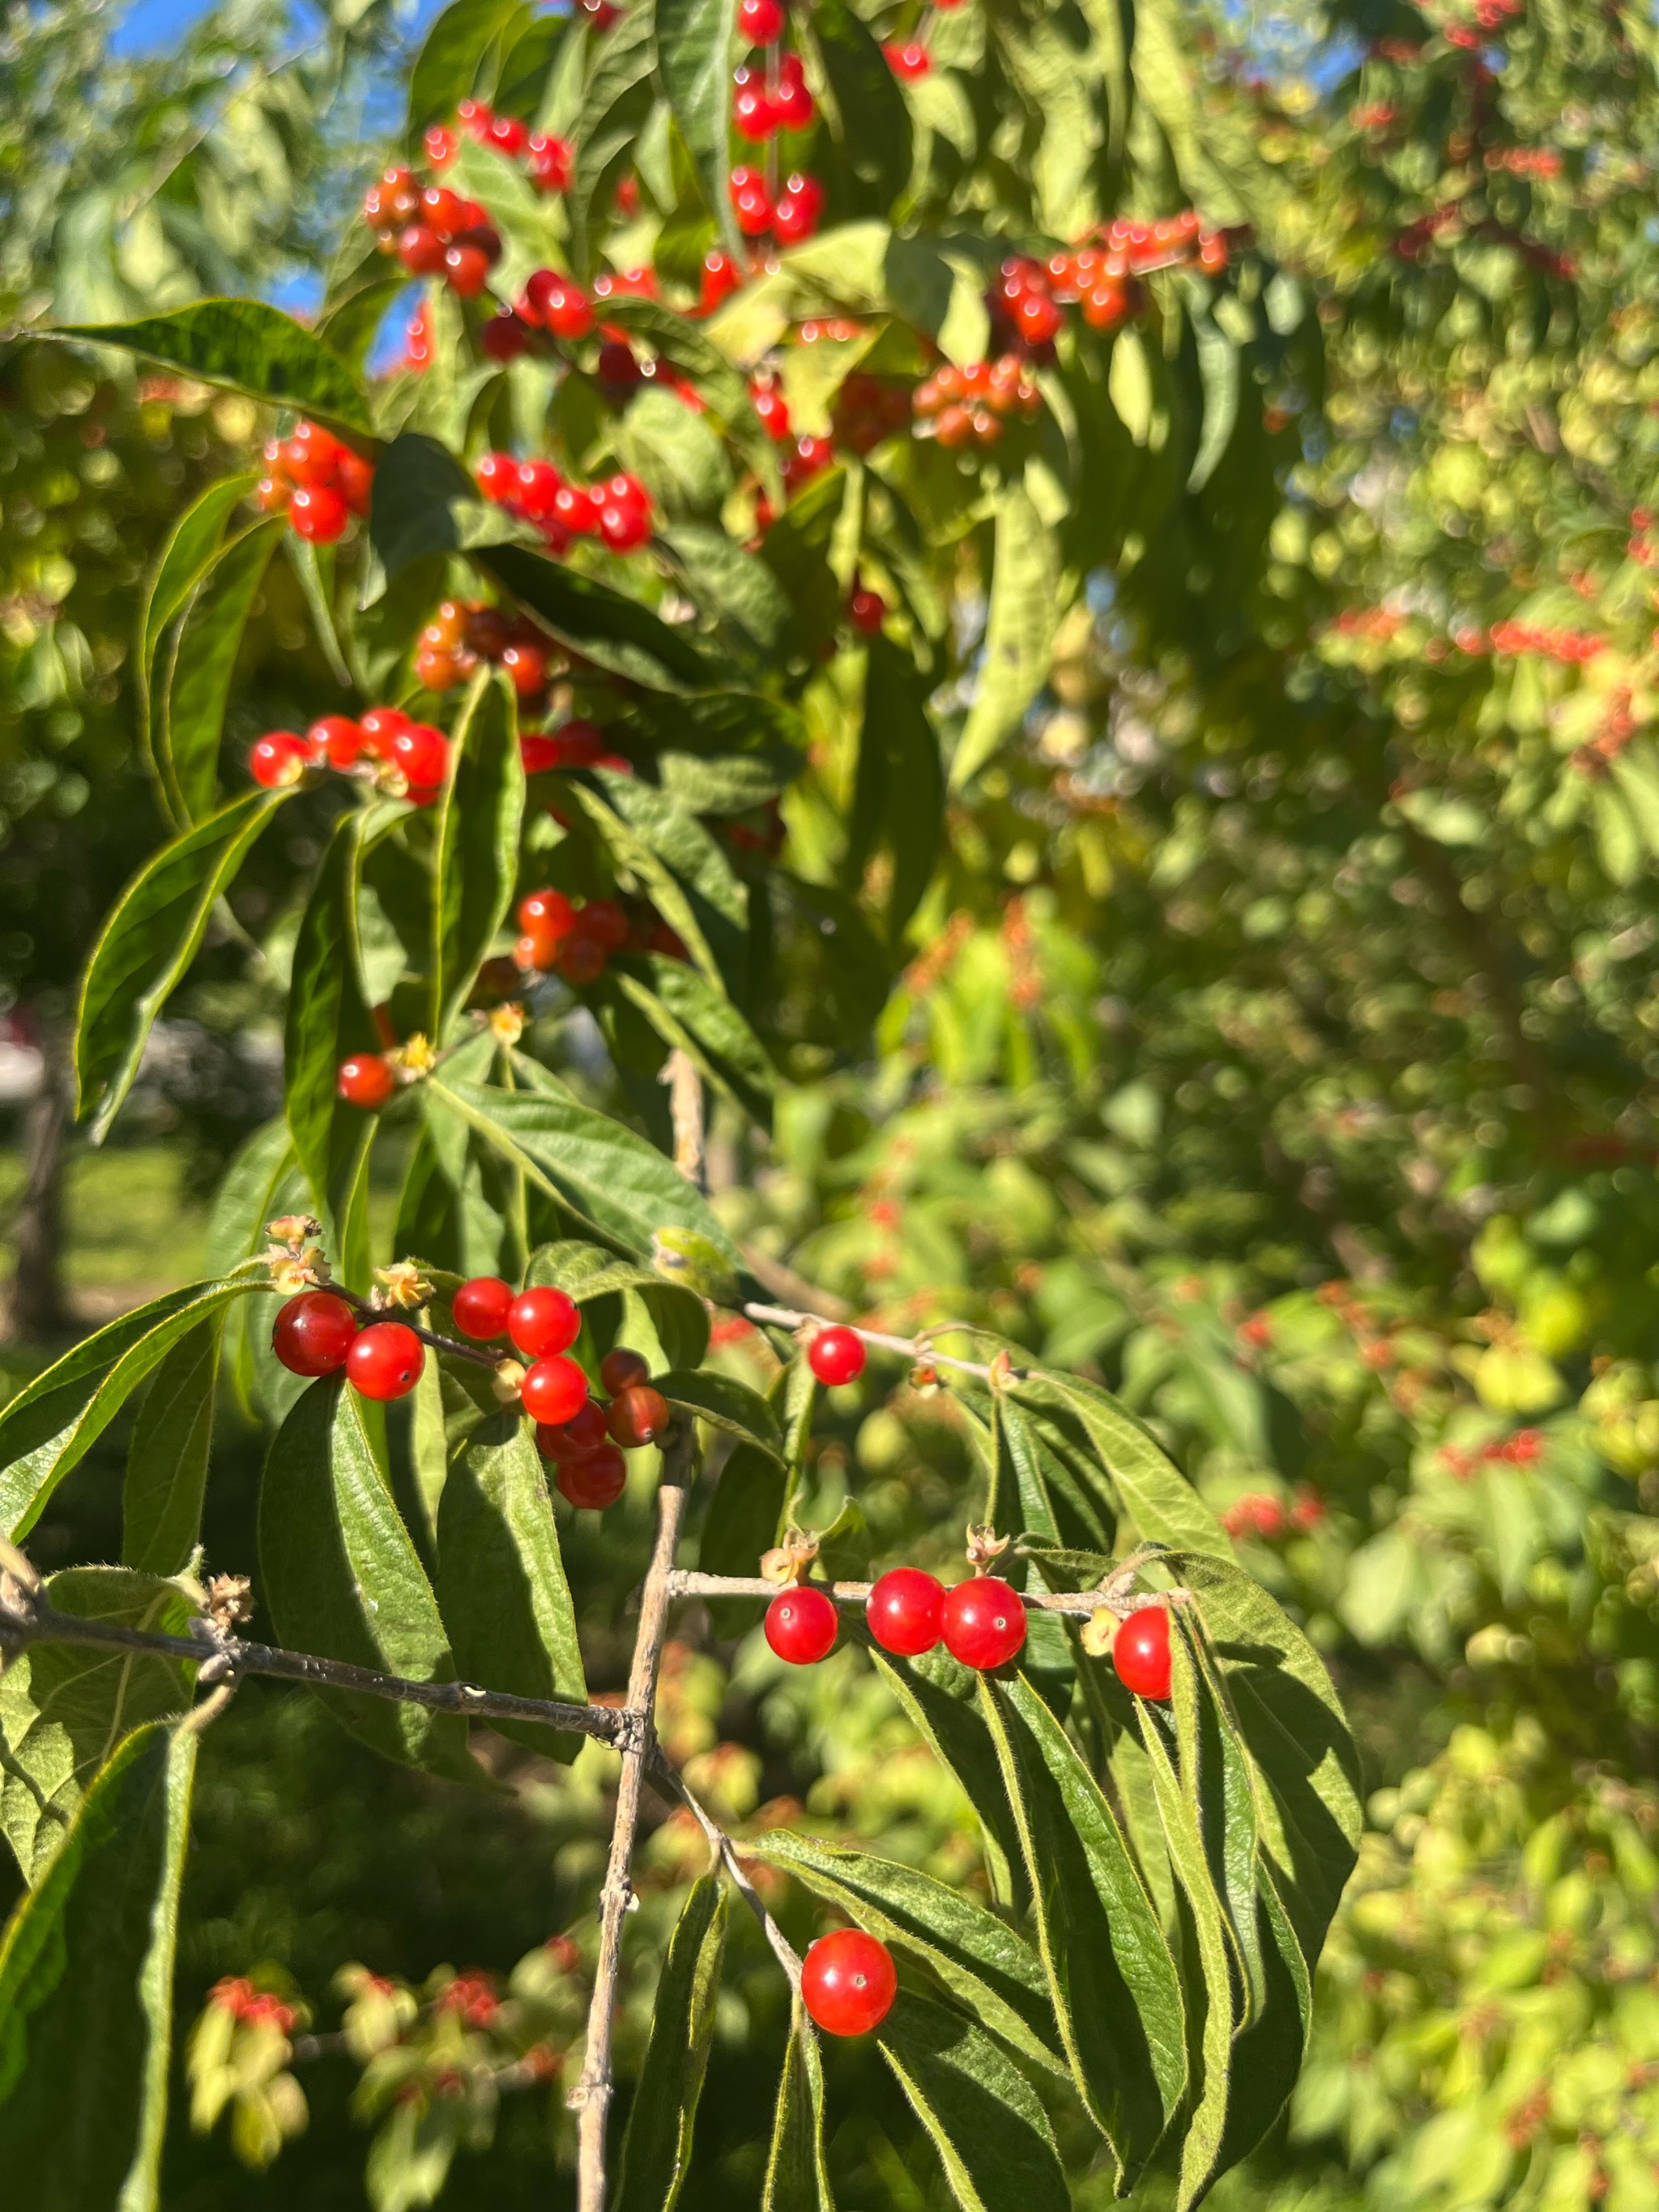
pixel 637 1416
pixel 314 1333
pixel 604 920
pixel 1140 1652
pixel 847 1982
pixel 385 1360
pixel 801 1624
pixel 906 1611
pixel 366 1080
pixel 868 610
pixel 541 1320
pixel 983 1622
pixel 559 304
pixel 481 1307
pixel 584 1432
pixel 621 1370
pixel 555 1389
pixel 836 1355
pixel 582 959
pixel 760 21
pixel 595 1480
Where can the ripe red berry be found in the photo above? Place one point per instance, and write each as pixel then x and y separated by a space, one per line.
pixel 421 250
pixel 541 1320
pixel 772 409
pixel 480 1307
pixel 526 669
pixel 906 1611
pixel 909 60
pixel 318 514
pixel 314 1333
pixel 422 753
pixel 1140 1652
pixel 593 1481
pixel 983 1622
pixel 504 338
pixel 848 1982
pixel 623 1370
pixel 366 1080
pixel 335 739
pixel 584 1432
pixel 559 303
pixel 380 726
pixel 637 1416
pixel 582 959
pixel 750 201
pixel 754 116
pixel 604 920
pixel 554 1389
pixel 625 515
pixel 720 277
pixel 801 1624
pixel 467 269
pixel 868 610
pixel 836 1355
pixel 760 21
pixel 277 760
pixel 800 204
pixel 385 1360
pixel 547 913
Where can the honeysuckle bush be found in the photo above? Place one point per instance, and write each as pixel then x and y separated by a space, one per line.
pixel 666 580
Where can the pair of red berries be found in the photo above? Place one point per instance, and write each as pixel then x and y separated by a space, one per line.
pixel 578 941
pixel 981 1622
pixel 318 1333
pixel 792 218
pixel 418 751
pixel 319 480
pixel 464 632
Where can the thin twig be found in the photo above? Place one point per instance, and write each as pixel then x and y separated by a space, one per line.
pixel 918 1348
pixel 687 1584
pixel 590 2098
pixel 668 1778
pixel 26 1619
pixel 476 1353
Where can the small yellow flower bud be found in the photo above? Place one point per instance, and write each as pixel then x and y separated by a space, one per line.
pixel 507 1022
pixel 509 1381
pixel 414 1057
pixel 1098 1631
pixel 402 1284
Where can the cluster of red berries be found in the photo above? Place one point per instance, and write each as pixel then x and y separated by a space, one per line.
pixel 586 1444
pixel 1524 1449
pixel 320 1332
pixel 1259 1513
pixel 556 306
pixel 574 744
pixel 1565 645
pixel 403 756
pixel 618 510
pixel 434 232
pixel 577 940
pixel 551 163
pixel 868 409
pixel 971 406
pixel 318 481
pixel 472 1996
pixel 253 2007
pixel 463 633
pixel 774 96
pixel 791 217
pixel 1525 161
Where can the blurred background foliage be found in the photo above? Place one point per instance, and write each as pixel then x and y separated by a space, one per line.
pixel 1279 1043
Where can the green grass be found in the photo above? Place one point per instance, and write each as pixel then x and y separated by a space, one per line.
pixel 131 1224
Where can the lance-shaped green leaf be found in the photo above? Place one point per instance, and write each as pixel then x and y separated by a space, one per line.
pixel 604 626
pixel 1267 2054
pixel 425 503
pixel 204 662
pixel 185 558
pixel 732 585
pixel 898 796
pixel 616 103
pixel 56 1419
pixel 611 1181
pixel 446 69
pixel 1026 606
pixel 477 860
pixel 657 2148
pixel 691 881
pixel 328 1019
pixel 501 1586
pixel 1215 1773
pixel 797 2173
pixel 874 117
pixel 146 945
pixel 986 1966
pixel 587 1273
pixel 1116 1992
pixel 246 345
pixel 1298 1738
pixel 695 41
pixel 750 1508
pixel 961 1741
pixel 724 390
pixel 991 2132
pixel 63 1707
pixel 339 1575
pixel 167 1457
pixel 725 1403
pixel 1017 1504
pixel 686 1009
pixel 1207 1977
pixel 86 1990
pixel 1157 1497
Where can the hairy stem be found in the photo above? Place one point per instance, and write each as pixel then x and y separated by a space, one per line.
pixel 918 1348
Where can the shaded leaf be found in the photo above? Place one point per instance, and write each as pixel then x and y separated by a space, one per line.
pixel 204 662
pixel 875 121
pixel 189 552
pixel 694 52
pixel 657 2148
pixel 587 1272
pixel 961 1741
pixel 328 1019
pixel 167 1458
pixel 603 626
pixel 797 2173
pixel 724 1403
pixel 1025 607
pixel 991 2134
pixel 477 857
pixel 1158 1498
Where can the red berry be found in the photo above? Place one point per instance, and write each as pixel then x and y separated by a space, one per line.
pixel 836 1355
pixel 546 918
pixel 636 1417
pixel 625 518
pixel 604 920
pixel 751 202
pixel 720 277
pixel 467 269
pixel 318 514
pixel 906 1611
pixel 595 1480
pixel 623 1370
pixel 541 1320
pixel 311 455
pixel 314 1333
pixel 754 116
pixel 380 726
pixel 868 610
pixel 847 1982
pixel 1140 1652
pixel 385 1360
pixel 801 1624
pixel 511 136
pixel 526 669
pixel 582 959
pixel 334 741
pixel 480 1307
pixel 421 250
pixel 800 204
pixel 277 760
pixel 442 210
pixel 558 302
pixel 911 59
pixel 1038 316
pixel 554 1389
pixel 422 752
pixel 793 103
pixel 760 21
pixel 584 1432
pixel 983 1622
pixel 773 410
pixel 366 1080
pixel 504 338
pixel 552 162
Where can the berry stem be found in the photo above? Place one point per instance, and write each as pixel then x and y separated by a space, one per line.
pixel 918 1348
pixel 476 1353
pixel 685 1583
pixel 667 1779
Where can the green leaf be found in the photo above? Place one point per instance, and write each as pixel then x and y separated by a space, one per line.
pixel 1158 1498
pixel 676 455
pixel 991 2134
pixel 502 1587
pixel 54 1421
pixel 328 1019
pixel 587 1272
pixel 685 1010
pixel 1216 1776
pixel 731 585
pixel 695 52
pixel 167 1458
pixel 63 1707
pixel 679 340
pixel 724 1403
pixel 612 1182
pixel 147 944
pixel 898 799
pixel 731 783
pixel 657 2148
pixel 603 626
pixel 1026 608
pixel 246 345
pixel 984 1964
pixel 204 662
pixel 742 1522
pixel 961 1741
pixel 340 1576
pixel 477 860
pixel 425 502
pixel 1116 1995
pixel 185 558
pixel 86 1990
pixel 875 120
pixel 797 2172
pixel 1267 2054
pixel 691 882
pixel 616 106
pixel 446 70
